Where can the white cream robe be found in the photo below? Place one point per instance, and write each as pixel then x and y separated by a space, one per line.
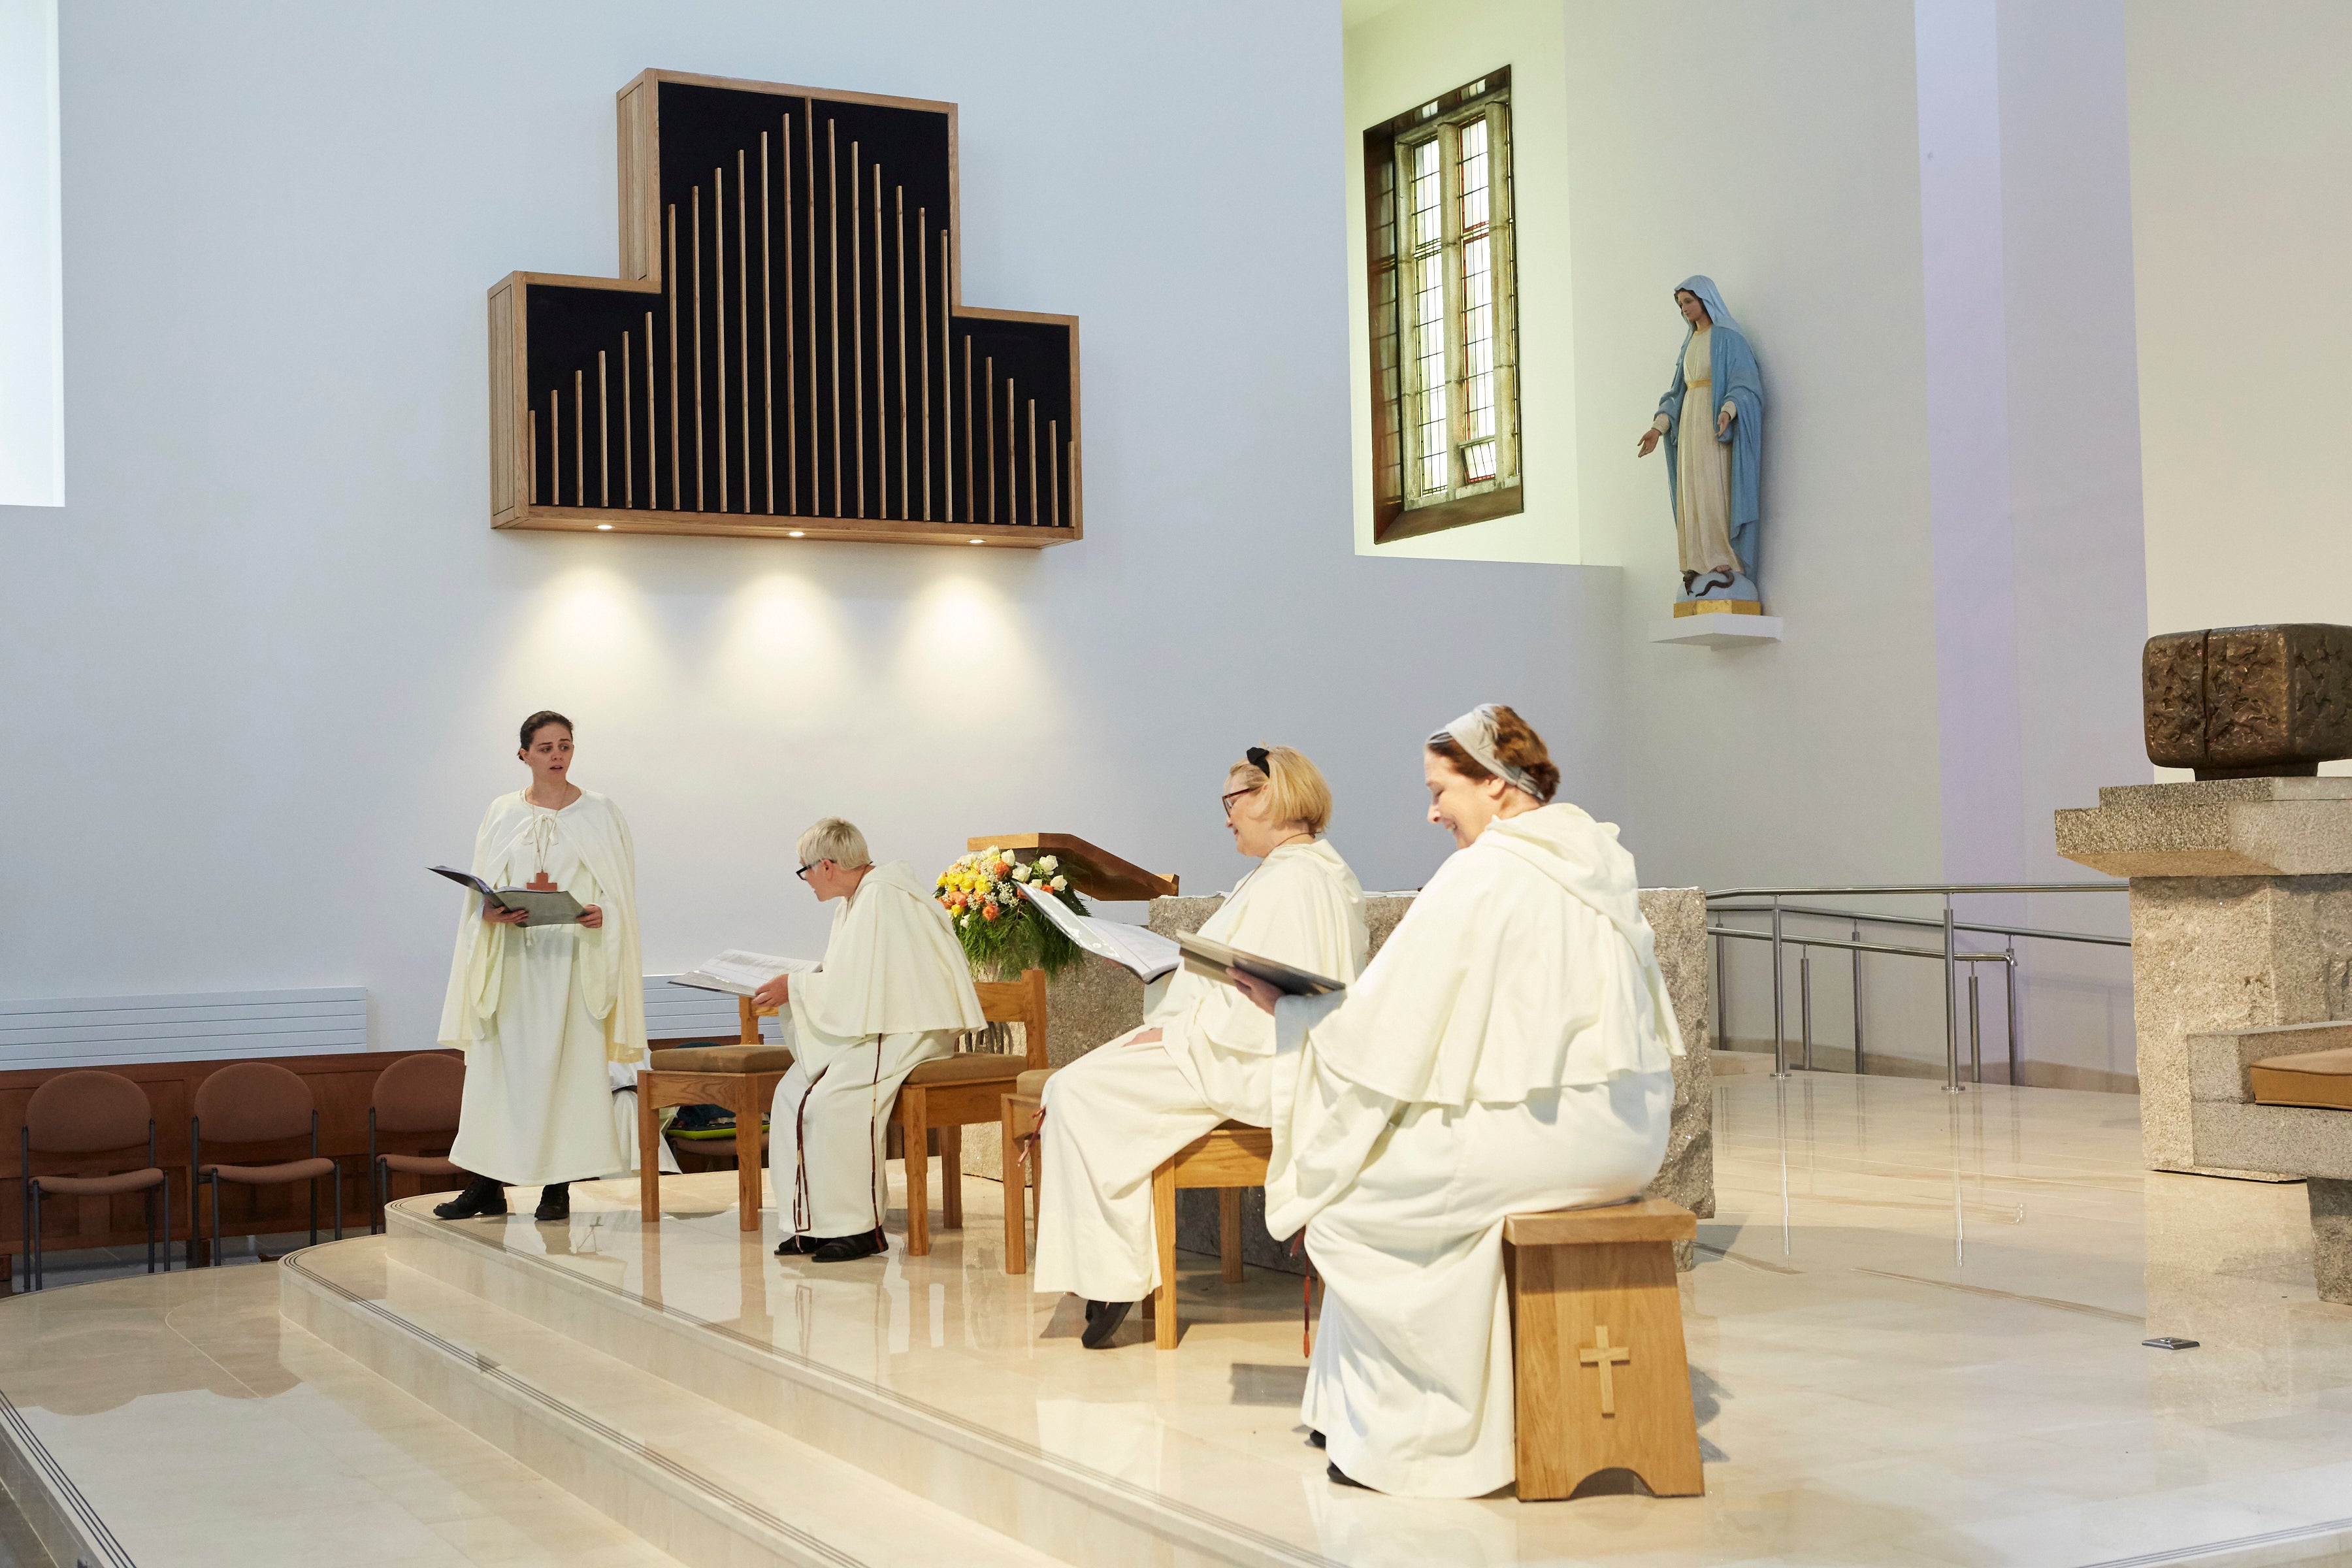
pixel 540 1011
pixel 1116 1113
pixel 1507 1051
pixel 893 993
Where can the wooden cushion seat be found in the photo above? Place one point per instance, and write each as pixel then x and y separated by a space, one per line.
pixel 966 1066
pixel 100 1186
pixel 1031 1085
pixel 2321 1080
pixel 721 1058
pixel 271 1175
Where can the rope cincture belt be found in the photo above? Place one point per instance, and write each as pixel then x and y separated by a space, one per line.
pixel 803 1207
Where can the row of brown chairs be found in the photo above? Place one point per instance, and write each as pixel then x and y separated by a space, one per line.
pixel 92 1120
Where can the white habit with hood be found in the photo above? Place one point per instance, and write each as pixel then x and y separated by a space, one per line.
pixel 895 991
pixel 1116 1113
pixel 539 1011
pixel 1510 1050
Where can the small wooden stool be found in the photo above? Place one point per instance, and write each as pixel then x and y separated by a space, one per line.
pixel 741 1078
pixel 1228 1157
pixel 1597 1348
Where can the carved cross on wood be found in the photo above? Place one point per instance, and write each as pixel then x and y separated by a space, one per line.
pixel 544 883
pixel 1601 1355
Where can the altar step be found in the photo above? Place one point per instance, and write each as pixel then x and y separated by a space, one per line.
pixel 711 1487
pixel 766 1418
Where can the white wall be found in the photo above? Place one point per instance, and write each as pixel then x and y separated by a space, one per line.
pixel 267 663
pixel 1406 54
pixel 32 350
pixel 2239 148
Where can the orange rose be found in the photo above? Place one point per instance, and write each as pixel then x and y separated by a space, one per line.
pixel 989 911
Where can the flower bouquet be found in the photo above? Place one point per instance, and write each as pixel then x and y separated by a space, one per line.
pixel 1002 934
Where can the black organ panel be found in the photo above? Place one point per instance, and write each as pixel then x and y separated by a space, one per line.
pixel 786 350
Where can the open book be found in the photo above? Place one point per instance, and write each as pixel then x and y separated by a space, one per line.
pixel 553 909
pixel 1202 956
pixel 740 973
pixel 1143 953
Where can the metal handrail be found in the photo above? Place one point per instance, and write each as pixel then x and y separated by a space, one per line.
pixel 2084 936
pixel 1951 955
pixel 1893 888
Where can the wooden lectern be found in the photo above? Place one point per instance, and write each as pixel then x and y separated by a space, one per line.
pixel 1093 872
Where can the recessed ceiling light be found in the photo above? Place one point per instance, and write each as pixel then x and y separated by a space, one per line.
pixel 603 527
pixel 980 542
pixel 797 534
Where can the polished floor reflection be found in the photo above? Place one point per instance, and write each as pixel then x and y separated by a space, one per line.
pixel 1914 1332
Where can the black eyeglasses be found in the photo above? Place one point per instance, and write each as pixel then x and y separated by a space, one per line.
pixel 803 871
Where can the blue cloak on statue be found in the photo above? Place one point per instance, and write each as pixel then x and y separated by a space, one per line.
pixel 1739 382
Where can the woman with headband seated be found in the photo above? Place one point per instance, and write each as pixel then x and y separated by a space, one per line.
pixel 1203 1053
pixel 1507 1052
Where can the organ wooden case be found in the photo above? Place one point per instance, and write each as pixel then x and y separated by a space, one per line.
pixel 786 350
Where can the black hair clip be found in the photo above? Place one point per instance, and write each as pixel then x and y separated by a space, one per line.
pixel 1258 760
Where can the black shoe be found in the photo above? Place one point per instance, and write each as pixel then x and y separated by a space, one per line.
pixel 481 1197
pixel 1314 1439
pixel 555 1202
pixel 846 1248
pixel 1332 1474
pixel 1103 1319
pixel 796 1246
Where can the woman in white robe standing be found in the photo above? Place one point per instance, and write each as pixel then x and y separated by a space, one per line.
pixel 1204 1055
pixel 1508 1051
pixel 893 993
pixel 541 1011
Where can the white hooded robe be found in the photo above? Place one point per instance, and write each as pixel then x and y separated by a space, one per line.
pixel 894 992
pixel 1509 1051
pixel 540 1011
pixel 1113 1114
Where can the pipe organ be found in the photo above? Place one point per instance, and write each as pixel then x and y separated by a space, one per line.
pixel 786 350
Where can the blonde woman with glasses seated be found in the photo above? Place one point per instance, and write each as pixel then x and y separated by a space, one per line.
pixel 1204 1054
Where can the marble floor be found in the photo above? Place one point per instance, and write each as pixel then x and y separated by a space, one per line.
pixel 1915 1332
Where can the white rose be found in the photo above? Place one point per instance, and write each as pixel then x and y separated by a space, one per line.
pixel 1048 864
pixel 1020 873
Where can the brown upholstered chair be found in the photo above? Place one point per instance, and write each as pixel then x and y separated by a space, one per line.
pixel 416 1102
pixel 257 1110
pixel 963 1090
pixel 84 1117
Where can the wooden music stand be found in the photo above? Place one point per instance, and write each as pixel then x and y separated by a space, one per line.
pixel 1093 872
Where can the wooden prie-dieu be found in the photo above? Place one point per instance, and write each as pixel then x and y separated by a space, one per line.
pixel 786 350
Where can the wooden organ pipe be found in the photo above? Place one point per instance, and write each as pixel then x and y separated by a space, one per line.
pixel 719 314
pixel 696 213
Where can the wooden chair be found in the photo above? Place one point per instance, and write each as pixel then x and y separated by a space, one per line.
pixel 1597 1347
pixel 83 1116
pixel 416 1102
pixel 741 1077
pixel 260 1111
pixel 1024 1179
pixel 940 1098
pixel 1229 1157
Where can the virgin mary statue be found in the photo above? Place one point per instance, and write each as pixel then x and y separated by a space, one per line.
pixel 1712 420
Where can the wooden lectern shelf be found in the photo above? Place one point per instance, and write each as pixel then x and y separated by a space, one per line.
pixel 1093 872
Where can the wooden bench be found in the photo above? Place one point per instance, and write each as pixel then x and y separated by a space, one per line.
pixel 1597 1348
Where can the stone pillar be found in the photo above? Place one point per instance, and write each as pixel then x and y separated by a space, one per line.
pixel 2240 914
pixel 2331 1238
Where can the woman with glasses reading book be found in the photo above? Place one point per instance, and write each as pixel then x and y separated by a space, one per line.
pixel 1204 1054
pixel 541 1010
pixel 1508 1051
